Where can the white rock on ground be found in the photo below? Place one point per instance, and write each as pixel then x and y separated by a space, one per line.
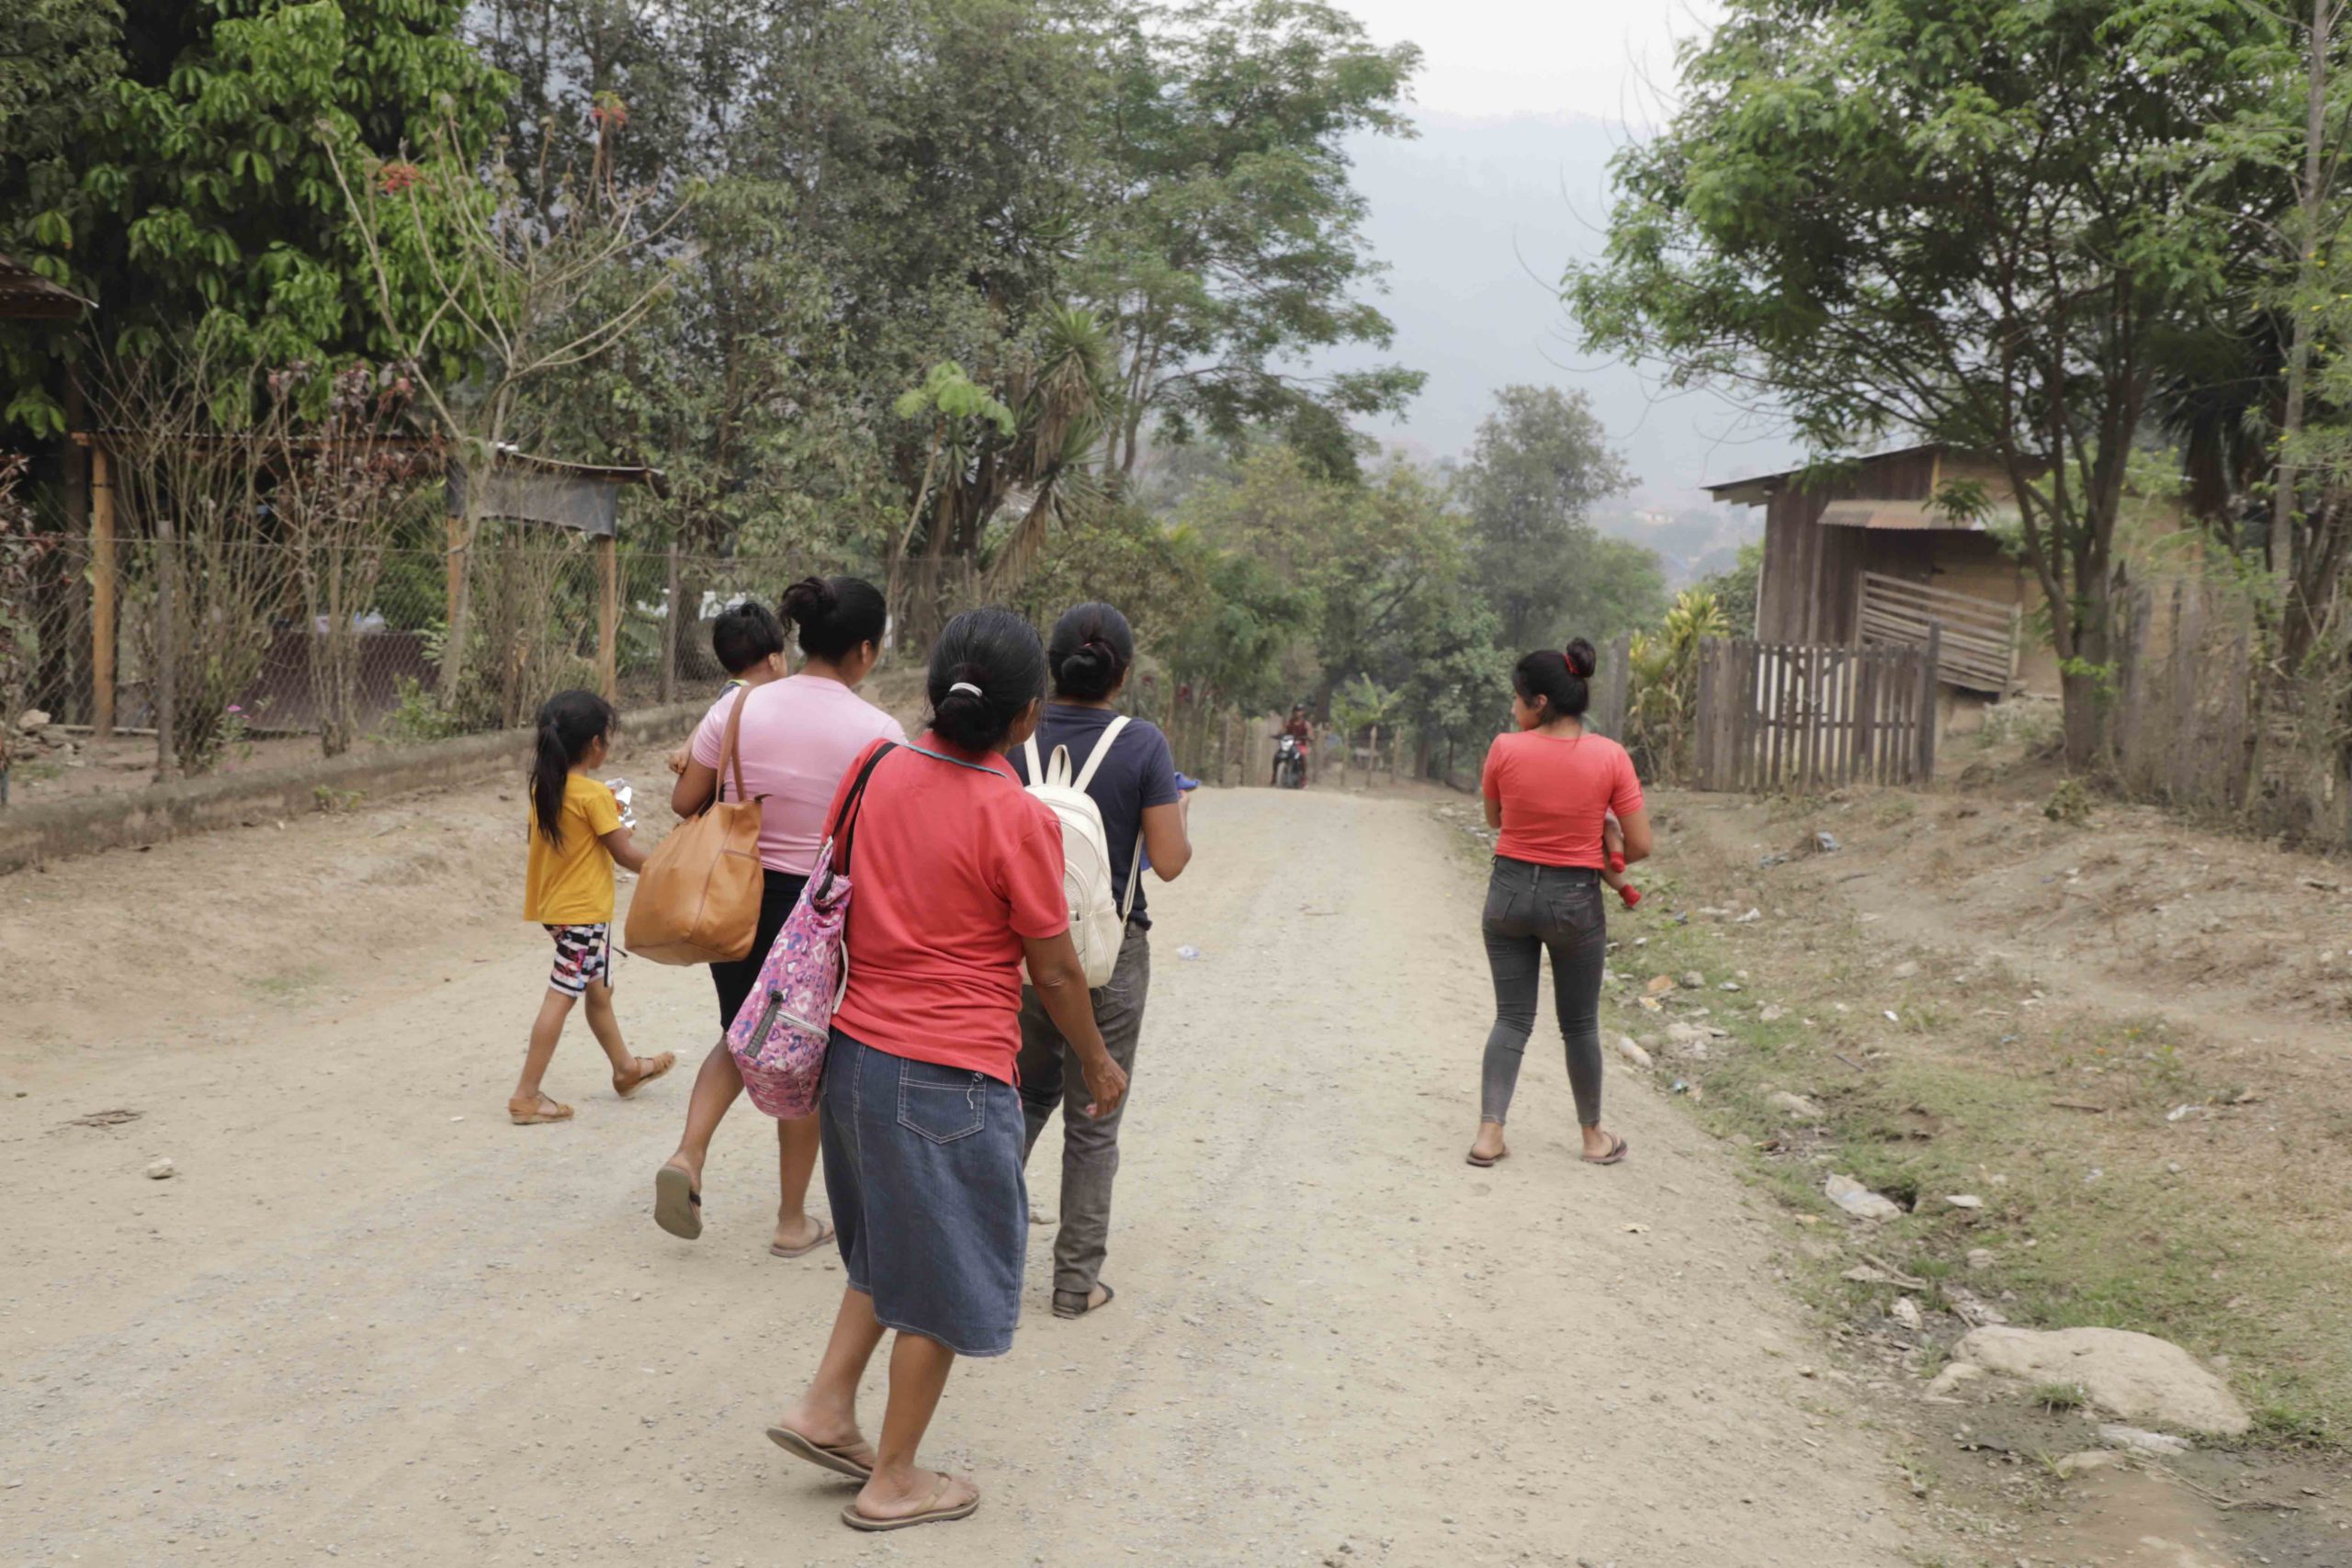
pixel 1857 1200
pixel 1798 1106
pixel 2090 1460
pixel 1956 1375
pixel 2140 1441
pixel 2136 1376
pixel 1632 1053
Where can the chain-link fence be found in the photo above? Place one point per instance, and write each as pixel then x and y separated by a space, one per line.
pixel 210 647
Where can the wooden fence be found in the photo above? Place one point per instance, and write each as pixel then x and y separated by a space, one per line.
pixel 2199 725
pixel 1981 636
pixel 1784 716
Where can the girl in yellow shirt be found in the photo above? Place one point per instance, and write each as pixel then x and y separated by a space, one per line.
pixel 576 838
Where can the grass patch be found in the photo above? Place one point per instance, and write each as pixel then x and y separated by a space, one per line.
pixel 2097 1205
pixel 292 984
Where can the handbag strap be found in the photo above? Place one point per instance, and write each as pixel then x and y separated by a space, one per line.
pixel 845 825
pixel 730 753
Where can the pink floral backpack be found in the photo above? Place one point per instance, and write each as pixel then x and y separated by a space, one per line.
pixel 778 1039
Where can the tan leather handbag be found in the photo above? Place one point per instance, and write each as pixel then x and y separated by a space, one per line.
pixel 698 898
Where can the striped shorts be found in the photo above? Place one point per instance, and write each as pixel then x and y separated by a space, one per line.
pixel 583 953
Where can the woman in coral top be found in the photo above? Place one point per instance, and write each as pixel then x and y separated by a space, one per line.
pixel 956 879
pixel 1551 788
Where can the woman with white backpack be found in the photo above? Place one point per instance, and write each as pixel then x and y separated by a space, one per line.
pixel 1112 782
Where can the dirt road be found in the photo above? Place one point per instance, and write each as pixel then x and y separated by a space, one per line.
pixel 368 1319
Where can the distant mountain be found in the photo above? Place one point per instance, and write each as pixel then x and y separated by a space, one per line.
pixel 1477 220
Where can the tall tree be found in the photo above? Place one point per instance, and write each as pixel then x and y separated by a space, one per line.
pixel 1232 241
pixel 1969 219
pixel 197 193
pixel 61 55
pixel 1540 463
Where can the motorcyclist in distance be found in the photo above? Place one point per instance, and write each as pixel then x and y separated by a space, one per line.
pixel 1302 729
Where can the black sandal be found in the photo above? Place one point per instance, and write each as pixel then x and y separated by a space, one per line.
pixel 1085 1303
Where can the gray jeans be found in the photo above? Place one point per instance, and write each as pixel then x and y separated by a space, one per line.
pixel 1531 908
pixel 1049 1075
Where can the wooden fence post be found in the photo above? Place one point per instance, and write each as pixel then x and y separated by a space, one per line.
pixel 1928 672
pixel 166 674
pixel 608 616
pixel 102 591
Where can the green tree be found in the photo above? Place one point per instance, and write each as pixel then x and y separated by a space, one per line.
pixel 1968 220
pixel 1540 463
pixel 1232 241
pixel 61 55
pixel 195 192
pixel 1734 588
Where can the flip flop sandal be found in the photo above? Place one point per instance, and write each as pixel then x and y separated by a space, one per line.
pixel 857 1521
pixel 677 1207
pixel 647 1070
pixel 824 1456
pixel 1486 1161
pixel 1085 1303
pixel 824 1235
pixel 1614 1157
pixel 536 1114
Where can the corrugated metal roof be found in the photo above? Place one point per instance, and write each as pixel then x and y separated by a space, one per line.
pixel 1754 490
pixel 27 295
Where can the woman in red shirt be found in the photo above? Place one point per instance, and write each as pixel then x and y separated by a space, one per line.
pixel 1551 788
pixel 957 880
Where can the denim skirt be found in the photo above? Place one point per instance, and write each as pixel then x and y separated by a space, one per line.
pixel 923 1168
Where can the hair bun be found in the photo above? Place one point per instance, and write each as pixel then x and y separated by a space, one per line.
pixel 810 599
pixel 1582 659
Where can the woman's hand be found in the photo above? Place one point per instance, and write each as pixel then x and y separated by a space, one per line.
pixel 1105 1080
pixel 1059 981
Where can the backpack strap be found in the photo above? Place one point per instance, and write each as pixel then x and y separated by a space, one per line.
pixel 1101 749
pixel 1029 753
pixel 1135 880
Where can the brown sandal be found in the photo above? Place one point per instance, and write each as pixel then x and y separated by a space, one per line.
pixel 1615 1155
pixel 937 1513
pixel 536 1112
pixel 647 1070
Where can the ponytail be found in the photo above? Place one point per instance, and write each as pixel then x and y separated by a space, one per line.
pixel 568 723
pixel 1090 652
pixel 836 615
pixel 986 669
pixel 1559 684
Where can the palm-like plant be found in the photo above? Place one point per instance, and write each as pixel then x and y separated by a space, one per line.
pixel 1662 684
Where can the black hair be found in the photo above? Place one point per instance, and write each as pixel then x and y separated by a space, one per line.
pixel 1559 683
pixel 835 614
pixel 996 656
pixel 1090 652
pixel 744 635
pixel 568 723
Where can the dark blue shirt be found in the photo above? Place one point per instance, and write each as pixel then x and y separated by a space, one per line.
pixel 1140 771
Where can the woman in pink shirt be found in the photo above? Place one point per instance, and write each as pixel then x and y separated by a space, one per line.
pixel 1550 788
pixel 799 735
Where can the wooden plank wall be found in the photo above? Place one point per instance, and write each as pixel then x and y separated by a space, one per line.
pixel 1797 717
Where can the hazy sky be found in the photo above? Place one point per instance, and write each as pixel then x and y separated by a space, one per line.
pixel 1502 57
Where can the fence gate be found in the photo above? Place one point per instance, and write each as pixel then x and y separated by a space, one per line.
pixel 1798 716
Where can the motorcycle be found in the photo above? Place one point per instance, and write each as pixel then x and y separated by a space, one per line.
pixel 1290 762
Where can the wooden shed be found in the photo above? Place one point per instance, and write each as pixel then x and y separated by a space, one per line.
pixel 1862 555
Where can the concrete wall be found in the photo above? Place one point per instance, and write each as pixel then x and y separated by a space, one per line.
pixel 31 835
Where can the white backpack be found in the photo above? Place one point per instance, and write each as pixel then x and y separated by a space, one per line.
pixel 1097 924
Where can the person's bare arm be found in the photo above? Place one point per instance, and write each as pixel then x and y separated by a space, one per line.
pixel 1635 826
pixel 1059 981
pixel 1168 836
pixel 698 786
pixel 624 852
pixel 1494 812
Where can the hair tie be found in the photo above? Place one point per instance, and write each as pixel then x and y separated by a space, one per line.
pixel 966 686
